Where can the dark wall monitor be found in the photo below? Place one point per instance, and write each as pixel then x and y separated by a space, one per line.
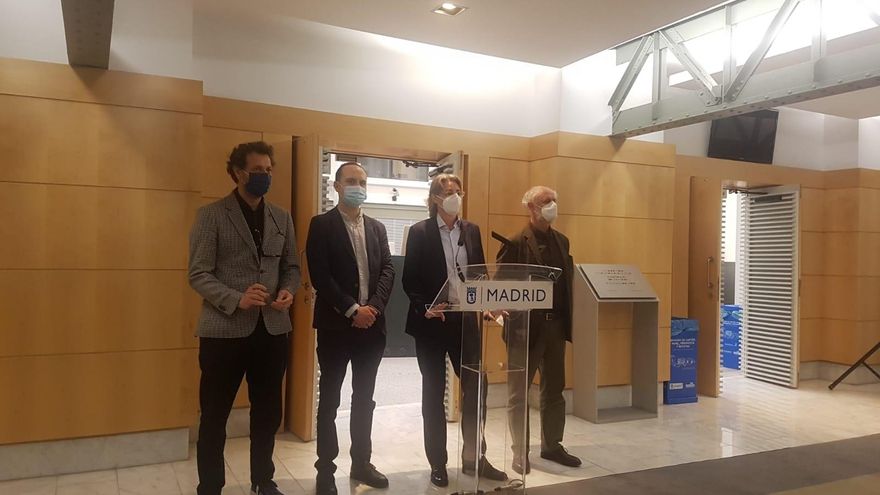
pixel 749 137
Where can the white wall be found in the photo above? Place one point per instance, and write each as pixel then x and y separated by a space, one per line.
pixel 586 88
pixel 153 37
pixel 309 65
pixel 33 30
pixel 869 143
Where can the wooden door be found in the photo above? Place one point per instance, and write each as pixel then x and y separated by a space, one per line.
pixel 704 299
pixel 301 375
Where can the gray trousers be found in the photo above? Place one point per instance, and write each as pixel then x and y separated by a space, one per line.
pixel 546 353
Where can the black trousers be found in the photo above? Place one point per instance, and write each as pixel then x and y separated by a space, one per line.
pixel 336 348
pixel 261 358
pixel 431 351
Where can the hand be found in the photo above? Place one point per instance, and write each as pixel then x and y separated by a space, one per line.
pixel 255 296
pixel 284 300
pixel 493 315
pixel 364 317
pixel 437 312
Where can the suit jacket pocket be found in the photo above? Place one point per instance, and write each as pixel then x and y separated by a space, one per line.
pixel 273 244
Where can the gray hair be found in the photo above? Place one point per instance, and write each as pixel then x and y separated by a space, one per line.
pixel 532 193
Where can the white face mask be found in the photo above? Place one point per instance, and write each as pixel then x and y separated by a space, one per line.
pixel 452 204
pixel 549 212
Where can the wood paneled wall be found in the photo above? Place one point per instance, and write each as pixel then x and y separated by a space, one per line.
pixel 839 250
pixel 615 205
pixel 103 171
pixel 840 317
pixel 98 188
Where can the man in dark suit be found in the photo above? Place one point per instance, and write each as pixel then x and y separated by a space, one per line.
pixel 243 263
pixel 436 249
pixel 540 244
pixel 350 267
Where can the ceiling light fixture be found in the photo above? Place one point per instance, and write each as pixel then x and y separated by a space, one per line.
pixel 449 8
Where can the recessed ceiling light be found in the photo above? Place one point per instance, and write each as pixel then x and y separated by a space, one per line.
pixel 449 8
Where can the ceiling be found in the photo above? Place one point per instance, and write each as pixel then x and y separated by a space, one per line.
pixel 546 32
pixel 860 104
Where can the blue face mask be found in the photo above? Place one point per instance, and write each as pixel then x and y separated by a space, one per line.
pixel 258 184
pixel 354 196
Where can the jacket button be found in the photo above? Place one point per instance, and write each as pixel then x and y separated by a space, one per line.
pixel 222 308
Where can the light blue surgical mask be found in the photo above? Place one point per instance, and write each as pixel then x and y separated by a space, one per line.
pixel 354 196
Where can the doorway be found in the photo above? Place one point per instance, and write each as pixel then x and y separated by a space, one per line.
pixel 744 282
pixel 397 192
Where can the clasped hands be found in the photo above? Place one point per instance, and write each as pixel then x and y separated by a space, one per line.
pixel 257 296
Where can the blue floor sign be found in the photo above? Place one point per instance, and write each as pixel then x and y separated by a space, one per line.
pixel 682 385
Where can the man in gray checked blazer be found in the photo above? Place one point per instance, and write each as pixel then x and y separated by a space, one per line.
pixel 243 263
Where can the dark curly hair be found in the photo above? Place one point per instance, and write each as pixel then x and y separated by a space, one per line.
pixel 238 157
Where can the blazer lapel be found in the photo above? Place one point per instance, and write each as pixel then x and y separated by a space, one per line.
pixel 233 211
pixel 372 246
pixel 269 227
pixel 346 240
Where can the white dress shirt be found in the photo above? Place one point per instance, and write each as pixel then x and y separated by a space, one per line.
pixel 358 237
pixel 456 256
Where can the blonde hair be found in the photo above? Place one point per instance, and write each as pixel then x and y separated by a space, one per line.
pixel 437 186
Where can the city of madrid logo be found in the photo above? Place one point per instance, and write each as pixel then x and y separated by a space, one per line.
pixel 472 295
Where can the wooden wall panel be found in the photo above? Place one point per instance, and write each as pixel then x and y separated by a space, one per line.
pixel 869 299
pixel 845 341
pixel 615 150
pixel 64 227
pixel 834 253
pixel 51 312
pixel 607 188
pixel 508 181
pixel 812 210
pixel 645 243
pixel 99 394
pixel 345 131
pixel 869 210
pixel 681 244
pixel 615 363
pixel 812 250
pixel 869 254
pixel 842 210
pixel 810 333
pixel 96 318
pixel 83 84
pixel 476 181
pixel 64 142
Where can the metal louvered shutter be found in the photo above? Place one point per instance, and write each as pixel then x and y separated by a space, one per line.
pixel 769 274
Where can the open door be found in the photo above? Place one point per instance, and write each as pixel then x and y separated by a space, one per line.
pixel 704 298
pixel 768 273
pixel 302 373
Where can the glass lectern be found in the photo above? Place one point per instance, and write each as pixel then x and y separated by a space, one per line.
pixel 494 394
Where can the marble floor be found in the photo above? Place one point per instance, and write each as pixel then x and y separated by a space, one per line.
pixel 749 417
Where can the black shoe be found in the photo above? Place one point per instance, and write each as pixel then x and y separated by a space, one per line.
pixel 561 456
pixel 267 488
pixel 368 475
pixel 439 477
pixel 326 485
pixel 487 470
pixel 518 466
